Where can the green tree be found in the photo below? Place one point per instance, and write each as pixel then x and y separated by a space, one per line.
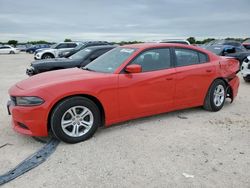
pixel 12 42
pixel 38 42
pixel 67 40
pixel 191 40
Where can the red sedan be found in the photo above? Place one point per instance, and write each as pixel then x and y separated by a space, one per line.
pixel 126 83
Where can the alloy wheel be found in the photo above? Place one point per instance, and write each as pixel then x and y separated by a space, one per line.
pixel 77 121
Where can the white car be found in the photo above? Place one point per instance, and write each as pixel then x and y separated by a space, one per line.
pixel 245 69
pixel 55 50
pixel 6 49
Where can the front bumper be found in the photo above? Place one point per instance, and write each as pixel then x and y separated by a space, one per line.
pixel 30 71
pixel 37 56
pixel 245 69
pixel 31 121
pixel 234 84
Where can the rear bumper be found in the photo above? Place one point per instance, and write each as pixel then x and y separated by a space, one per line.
pixel 234 84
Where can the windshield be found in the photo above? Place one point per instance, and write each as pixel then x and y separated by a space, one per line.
pixel 111 60
pixel 246 41
pixel 81 54
pixel 215 49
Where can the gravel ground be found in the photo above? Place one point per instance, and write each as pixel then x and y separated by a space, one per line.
pixel 188 148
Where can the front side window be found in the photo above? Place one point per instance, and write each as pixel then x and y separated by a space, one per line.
pixel 71 45
pixel 186 57
pixel 247 46
pixel 155 59
pixel 62 45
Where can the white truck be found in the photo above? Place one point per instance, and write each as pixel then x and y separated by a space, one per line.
pixel 245 69
pixel 55 50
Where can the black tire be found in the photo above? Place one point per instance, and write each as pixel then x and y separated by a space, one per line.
pixel 12 52
pixel 247 78
pixel 31 51
pixel 209 103
pixel 47 56
pixel 59 113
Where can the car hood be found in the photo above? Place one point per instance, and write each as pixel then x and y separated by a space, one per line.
pixel 55 60
pixel 58 77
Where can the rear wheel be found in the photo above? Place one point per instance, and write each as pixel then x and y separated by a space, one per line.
pixel 12 52
pixel 216 96
pixel 75 119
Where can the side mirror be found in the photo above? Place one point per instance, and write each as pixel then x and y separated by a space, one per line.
pixel 135 68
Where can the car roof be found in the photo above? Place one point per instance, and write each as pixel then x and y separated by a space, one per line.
pixel 156 45
pixel 144 46
pixel 100 47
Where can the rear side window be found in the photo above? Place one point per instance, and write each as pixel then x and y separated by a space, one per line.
pixel 185 57
pixel 203 57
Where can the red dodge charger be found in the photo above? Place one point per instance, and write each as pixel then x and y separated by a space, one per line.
pixel 128 82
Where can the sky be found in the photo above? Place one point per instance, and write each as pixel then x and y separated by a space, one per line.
pixel 116 20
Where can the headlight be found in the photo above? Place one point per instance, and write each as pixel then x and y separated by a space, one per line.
pixel 28 101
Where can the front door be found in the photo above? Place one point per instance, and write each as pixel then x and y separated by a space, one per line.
pixel 152 90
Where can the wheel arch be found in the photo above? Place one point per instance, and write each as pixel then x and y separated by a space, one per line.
pixel 228 87
pixel 48 53
pixel 90 97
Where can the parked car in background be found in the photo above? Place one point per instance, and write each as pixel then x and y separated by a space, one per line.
pixel 125 83
pixel 55 50
pixel 21 47
pixel 175 41
pixel 223 42
pixel 33 48
pixel 246 44
pixel 245 69
pixel 238 52
pixel 79 59
pixel 82 46
pixel 7 49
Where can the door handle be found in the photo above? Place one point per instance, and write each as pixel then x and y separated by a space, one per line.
pixel 208 70
pixel 169 78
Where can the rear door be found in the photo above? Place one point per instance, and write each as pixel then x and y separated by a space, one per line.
pixel 152 90
pixel 194 74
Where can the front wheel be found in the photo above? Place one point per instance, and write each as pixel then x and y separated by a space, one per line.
pixel 216 96
pixel 75 119
pixel 12 52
